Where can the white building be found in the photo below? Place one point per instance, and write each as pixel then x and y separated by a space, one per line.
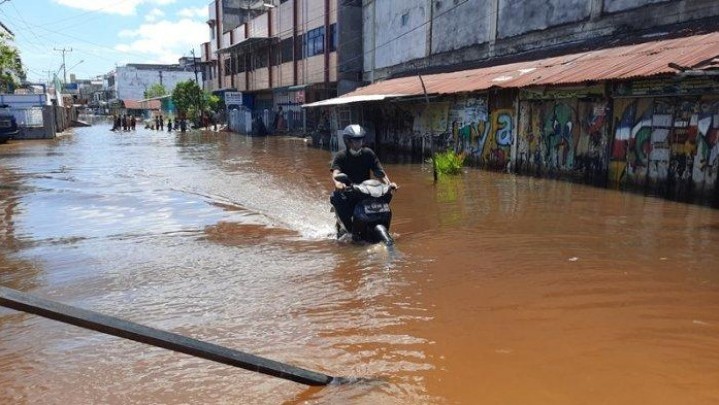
pixel 130 82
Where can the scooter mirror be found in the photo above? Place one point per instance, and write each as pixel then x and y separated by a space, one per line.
pixel 343 178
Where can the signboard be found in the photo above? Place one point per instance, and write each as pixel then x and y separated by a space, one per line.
pixel 667 87
pixel 233 97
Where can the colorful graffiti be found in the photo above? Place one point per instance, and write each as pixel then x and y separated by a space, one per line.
pixel 563 136
pixel 664 143
pixel 497 150
pixel 706 166
pixel 669 143
pixel 470 126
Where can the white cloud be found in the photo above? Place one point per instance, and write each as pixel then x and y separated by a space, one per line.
pixel 122 7
pixel 126 7
pixel 154 15
pixel 127 34
pixel 193 12
pixel 164 41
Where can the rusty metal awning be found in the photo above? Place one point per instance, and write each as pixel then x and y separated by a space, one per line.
pixel 249 45
pixel 625 62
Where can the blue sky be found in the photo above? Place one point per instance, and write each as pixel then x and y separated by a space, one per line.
pixel 103 33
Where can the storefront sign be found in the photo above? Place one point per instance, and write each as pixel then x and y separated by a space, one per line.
pixel 667 87
pixel 233 98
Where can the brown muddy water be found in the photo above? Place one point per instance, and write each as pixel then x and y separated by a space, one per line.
pixel 501 289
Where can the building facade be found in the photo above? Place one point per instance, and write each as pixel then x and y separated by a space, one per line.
pixel 130 82
pixel 612 93
pixel 403 37
pixel 283 53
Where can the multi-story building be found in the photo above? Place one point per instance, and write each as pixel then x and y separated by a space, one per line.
pixel 283 53
pixel 406 37
pixel 619 92
pixel 130 82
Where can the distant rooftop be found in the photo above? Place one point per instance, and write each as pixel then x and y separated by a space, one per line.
pixel 151 66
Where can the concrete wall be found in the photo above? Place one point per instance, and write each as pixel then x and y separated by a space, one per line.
pixel 390 38
pixel 467 32
pixel 519 16
pixel 458 26
pixel 347 69
pixel 613 6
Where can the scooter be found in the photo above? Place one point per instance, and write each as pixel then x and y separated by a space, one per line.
pixel 371 216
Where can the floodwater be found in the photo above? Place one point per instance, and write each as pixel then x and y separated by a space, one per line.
pixel 501 289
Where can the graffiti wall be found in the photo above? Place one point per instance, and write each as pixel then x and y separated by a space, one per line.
pixel 666 143
pixel 464 125
pixel 469 123
pixel 486 137
pixel 563 137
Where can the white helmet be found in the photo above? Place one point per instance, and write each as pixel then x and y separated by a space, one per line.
pixel 354 131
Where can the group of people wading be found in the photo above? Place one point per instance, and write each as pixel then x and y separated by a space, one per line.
pixel 123 122
pixel 128 123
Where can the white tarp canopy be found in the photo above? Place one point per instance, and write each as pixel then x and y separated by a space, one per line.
pixel 351 99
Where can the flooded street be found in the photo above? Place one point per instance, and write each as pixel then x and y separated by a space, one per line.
pixel 501 289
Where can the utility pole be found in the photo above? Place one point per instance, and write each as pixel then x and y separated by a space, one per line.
pixel 64 70
pixel 194 65
pixel 160 71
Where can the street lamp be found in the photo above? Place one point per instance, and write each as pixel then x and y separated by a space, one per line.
pixel 75 64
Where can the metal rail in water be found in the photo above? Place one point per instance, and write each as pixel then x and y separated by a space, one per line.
pixel 129 330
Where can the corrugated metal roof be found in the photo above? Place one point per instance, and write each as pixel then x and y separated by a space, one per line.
pixel 625 62
pixel 352 99
pixel 138 105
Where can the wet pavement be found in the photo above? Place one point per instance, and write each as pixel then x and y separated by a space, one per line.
pixel 501 289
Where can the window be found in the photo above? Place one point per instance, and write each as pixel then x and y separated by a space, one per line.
pixel 275 55
pixel 287 49
pixel 298 46
pixel 227 67
pixel 259 59
pixel 315 42
pixel 405 19
pixel 333 37
pixel 240 63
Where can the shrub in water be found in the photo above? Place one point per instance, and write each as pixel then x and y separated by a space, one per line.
pixel 448 162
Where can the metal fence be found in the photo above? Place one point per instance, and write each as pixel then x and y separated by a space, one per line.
pixel 27 117
pixel 263 122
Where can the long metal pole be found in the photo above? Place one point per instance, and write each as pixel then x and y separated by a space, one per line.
pixel 129 330
pixel 64 70
pixel 197 102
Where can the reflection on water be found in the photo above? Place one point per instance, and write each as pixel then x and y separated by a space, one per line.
pixel 501 289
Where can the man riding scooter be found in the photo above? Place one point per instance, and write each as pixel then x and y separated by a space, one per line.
pixel 356 161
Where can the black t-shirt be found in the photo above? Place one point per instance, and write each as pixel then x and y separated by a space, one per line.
pixel 358 167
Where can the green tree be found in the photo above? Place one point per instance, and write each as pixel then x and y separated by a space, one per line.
pixel 214 102
pixel 156 90
pixel 10 65
pixel 188 99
